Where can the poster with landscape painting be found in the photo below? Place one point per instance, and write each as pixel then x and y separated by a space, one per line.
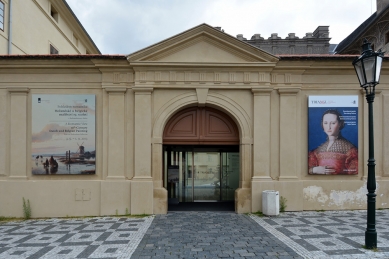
pixel 63 134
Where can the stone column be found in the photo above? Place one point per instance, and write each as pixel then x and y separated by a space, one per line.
pixel 142 183
pixel 19 162
pixel 116 133
pixel 289 122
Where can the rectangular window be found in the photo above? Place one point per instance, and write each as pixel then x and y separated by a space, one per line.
pixel 1 16
pixel 53 51
pixel 54 13
pixel 386 38
pixel 75 40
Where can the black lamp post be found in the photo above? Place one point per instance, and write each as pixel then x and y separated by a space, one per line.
pixel 368 68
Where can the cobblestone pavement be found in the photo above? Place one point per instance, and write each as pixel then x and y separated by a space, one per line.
pixel 337 235
pixel 77 238
pixel 210 235
pixel 330 234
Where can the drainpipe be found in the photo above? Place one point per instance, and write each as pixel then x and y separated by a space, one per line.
pixel 10 28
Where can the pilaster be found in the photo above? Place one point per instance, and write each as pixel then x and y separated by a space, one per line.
pixel 18 133
pixel 288 133
pixel 159 192
pixel 262 132
pixel 385 142
pixel 116 133
pixel 379 106
pixel 142 182
pixel 261 179
pixel 4 123
pixel 243 193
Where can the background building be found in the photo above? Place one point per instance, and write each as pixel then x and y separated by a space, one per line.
pixel 375 29
pixel 42 27
pixel 317 42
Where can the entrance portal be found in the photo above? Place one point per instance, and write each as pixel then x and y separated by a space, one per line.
pixel 208 174
pixel 201 156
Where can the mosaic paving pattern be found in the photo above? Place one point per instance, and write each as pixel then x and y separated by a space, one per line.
pixel 337 234
pixel 329 235
pixel 77 238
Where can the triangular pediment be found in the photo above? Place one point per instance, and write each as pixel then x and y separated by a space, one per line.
pixel 202 44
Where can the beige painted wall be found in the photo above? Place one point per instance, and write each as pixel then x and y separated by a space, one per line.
pixel 34 29
pixel 266 99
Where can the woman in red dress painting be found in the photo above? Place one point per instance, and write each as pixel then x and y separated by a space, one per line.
pixel 337 155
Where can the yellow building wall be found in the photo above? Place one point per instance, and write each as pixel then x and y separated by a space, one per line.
pixel 269 104
pixel 34 29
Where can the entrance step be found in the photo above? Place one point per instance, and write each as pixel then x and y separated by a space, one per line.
pixel 202 206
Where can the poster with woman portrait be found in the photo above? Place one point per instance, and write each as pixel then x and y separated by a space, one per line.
pixel 333 135
pixel 63 134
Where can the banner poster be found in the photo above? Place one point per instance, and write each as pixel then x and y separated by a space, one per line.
pixel 63 134
pixel 173 174
pixel 333 135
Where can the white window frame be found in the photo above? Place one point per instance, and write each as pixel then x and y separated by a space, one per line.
pixel 54 47
pixel 2 20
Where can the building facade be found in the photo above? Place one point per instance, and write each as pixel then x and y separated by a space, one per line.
pixel 317 42
pixel 199 116
pixel 42 27
pixel 375 29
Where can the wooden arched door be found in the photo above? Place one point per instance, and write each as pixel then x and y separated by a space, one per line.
pixel 201 126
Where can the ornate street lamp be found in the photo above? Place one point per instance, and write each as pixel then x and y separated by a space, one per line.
pixel 368 68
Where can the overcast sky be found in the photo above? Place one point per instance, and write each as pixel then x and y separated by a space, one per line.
pixel 126 26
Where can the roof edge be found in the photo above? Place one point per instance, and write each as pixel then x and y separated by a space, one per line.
pixel 65 56
pixel 247 46
pixel 350 39
pixel 81 26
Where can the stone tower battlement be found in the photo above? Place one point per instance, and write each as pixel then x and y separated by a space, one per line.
pixel 316 42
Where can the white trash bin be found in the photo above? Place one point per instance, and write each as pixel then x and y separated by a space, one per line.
pixel 270 203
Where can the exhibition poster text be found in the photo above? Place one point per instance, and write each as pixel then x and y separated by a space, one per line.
pixel 63 134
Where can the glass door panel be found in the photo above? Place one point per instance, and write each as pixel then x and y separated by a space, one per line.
pixel 229 175
pixel 188 178
pixel 173 175
pixel 206 182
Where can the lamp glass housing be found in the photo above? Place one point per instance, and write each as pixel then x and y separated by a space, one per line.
pixel 368 66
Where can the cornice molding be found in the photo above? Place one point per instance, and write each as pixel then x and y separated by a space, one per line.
pixel 262 90
pixel 142 90
pixel 289 91
pixel 115 90
pixel 137 64
pixel 18 90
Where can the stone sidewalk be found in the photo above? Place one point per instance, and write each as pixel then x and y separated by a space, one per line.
pixel 337 234
pixel 210 235
pixel 331 234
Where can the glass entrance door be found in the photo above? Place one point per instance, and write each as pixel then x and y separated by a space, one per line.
pixel 206 175
pixel 206 178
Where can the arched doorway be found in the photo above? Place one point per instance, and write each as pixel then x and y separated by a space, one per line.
pixel 201 156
